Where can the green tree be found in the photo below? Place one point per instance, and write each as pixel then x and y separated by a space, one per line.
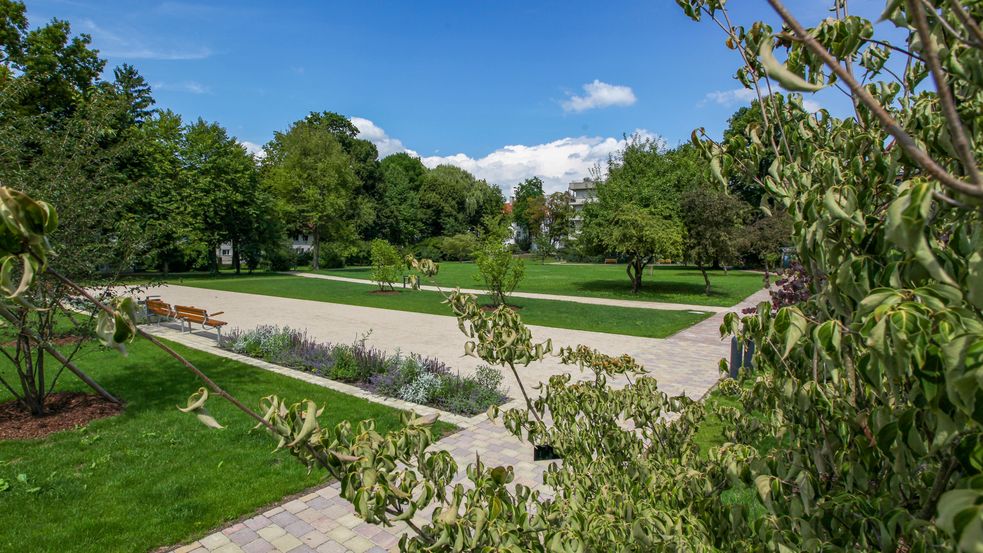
pixel 766 237
pixel 714 228
pixel 399 217
pixel 452 201
pixel 527 210
pixel 314 183
pixel 637 209
pixel 498 269
pixel 556 225
pixel 220 191
pixel 387 263
pixel 635 233
pixel 57 71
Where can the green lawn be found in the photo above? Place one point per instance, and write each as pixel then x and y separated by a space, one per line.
pixel 648 323
pixel 672 284
pixel 154 476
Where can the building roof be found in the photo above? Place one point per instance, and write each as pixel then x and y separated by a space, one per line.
pixel 586 184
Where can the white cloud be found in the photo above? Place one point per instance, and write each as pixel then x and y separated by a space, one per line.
pixel 191 87
pixel 744 96
pixel 367 130
pixel 128 44
pixel 729 97
pixel 600 95
pixel 254 149
pixel 558 162
pixel 811 106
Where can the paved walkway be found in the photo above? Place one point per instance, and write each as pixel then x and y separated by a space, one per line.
pixel 322 521
pixel 556 297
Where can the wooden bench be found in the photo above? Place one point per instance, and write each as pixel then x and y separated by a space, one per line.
pixel 155 306
pixel 610 261
pixel 197 315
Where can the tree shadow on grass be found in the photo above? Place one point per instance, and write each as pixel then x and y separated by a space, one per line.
pixel 649 288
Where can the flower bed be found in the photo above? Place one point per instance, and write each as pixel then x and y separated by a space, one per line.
pixel 412 378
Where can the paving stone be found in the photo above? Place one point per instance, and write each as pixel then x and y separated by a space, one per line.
pixel 271 532
pixel 258 546
pixel 358 544
pixel 332 547
pixel 214 541
pixel 314 539
pixel 284 519
pixel 257 522
pixel 243 536
pixel 286 542
pixel 298 528
pixel 294 506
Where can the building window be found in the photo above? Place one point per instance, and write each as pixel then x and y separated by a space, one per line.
pixel 226 252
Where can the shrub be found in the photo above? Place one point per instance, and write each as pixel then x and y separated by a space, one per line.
pixel 282 258
pixel 498 269
pixel 423 380
pixel 460 247
pixel 264 342
pixel 421 389
pixel 387 264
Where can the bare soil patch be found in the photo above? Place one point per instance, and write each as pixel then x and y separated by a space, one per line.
pixel 494 307
pixel 66 410
pixel 385 292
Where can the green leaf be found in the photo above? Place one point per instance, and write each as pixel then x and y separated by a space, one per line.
pixel 782 74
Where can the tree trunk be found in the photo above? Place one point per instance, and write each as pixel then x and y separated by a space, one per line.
pixel 235 256
pixel 316 258
pixel 213 260
pixel 634 269
pixel 167 267
pixel 767 272
pixel 706 278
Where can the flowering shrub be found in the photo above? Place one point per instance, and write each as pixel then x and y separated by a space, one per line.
pixel 421 389
pixel 412 378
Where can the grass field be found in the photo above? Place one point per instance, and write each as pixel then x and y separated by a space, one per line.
pixel 153 476
pixel 672 284
pixel 648 323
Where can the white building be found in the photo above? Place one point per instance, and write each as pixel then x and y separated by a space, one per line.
pixel 583 193
pixel 299 242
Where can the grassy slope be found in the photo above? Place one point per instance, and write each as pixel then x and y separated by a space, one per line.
pixel 668 284
pixel 599 318
pixel 154 476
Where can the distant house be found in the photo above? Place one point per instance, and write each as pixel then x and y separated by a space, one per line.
pixel 583 193
pixel 299 242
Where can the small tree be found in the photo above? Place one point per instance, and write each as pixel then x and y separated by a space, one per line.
pixel 556 223
pixel 636 233
pixel 714 221
pixel 498 269
pixel 386 264
pixel 766 237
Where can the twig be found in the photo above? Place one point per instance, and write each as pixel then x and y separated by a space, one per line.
pixel 891 126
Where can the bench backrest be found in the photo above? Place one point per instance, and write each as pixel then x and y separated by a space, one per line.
pixel 158 306
pixel 192 311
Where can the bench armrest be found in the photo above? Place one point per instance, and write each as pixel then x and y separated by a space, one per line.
pixel 210 315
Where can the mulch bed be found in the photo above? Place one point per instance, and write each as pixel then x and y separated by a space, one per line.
pixel 66 410
pixel 385 292
pixel 60 341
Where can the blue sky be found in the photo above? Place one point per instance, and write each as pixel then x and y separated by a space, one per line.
pixel 505 89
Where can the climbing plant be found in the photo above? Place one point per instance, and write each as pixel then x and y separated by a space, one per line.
pixel 870 385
